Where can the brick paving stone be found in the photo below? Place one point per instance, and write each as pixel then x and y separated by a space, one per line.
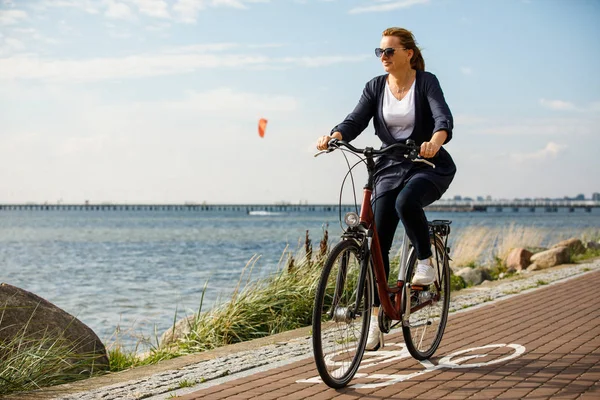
pixel 559 326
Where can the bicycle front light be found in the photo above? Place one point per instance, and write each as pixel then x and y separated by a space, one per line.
pixel 351 219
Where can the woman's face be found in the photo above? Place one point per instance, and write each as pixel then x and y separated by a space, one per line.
pixel 401 58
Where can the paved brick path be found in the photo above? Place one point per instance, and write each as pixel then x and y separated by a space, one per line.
pixel 548 346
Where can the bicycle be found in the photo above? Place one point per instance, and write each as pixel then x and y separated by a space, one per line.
pixel 344 296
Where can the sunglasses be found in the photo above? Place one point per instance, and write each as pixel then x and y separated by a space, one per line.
pixel 388 52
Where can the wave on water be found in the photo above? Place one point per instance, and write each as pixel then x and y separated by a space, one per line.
pixel 263 213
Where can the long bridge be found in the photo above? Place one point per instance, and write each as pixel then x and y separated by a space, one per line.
pixel 440 205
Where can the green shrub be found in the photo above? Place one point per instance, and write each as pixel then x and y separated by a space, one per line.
pixel 457 283
pixel 589 253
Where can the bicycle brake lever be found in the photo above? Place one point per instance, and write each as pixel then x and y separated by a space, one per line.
pixel 321 152
pixel 422 160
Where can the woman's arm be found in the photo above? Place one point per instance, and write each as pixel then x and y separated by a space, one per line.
pixel 440 111
pixel 442 117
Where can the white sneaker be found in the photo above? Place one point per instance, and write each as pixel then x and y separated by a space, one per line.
pixel 374 337
pixel 424 276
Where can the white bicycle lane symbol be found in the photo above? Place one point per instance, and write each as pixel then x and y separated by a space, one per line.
pixel 451 361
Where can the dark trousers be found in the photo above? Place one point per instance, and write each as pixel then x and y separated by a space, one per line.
pixel 404 204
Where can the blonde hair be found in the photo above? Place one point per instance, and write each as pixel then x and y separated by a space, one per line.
pixel 408 41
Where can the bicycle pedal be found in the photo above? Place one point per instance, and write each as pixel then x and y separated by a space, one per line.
pixel 418 287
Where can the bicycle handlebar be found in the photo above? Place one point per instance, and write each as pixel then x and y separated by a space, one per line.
pixel 412 150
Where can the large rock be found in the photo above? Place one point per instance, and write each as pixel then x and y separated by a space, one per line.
pixel 473 276
pixel 518 259
pixel 25 315
pixel 533 267
pixel 551 257
pixel 179 331
pixel 575 246
pixel 593 245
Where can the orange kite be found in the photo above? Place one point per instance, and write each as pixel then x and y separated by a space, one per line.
pixel 262 125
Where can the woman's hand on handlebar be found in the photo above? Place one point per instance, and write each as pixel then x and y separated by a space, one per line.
pixel 323 141
pixel 429 149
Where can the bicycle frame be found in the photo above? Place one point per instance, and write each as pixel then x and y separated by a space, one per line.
pixel 395 310
pixel 366 217
pixel 374 250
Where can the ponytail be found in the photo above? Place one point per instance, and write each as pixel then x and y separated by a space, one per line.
pixel 417 61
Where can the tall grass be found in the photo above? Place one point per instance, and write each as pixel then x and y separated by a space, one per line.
pixel 470 245
pixel 31 362
pixel 279 303
pixel 486 246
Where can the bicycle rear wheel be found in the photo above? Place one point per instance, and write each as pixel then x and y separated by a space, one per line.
pixel 429 305
pixel 340 328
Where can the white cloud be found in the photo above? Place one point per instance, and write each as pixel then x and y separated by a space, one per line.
pixel 118 10
pixel 158 27
pixel 178 60
pixel 551 151
pixel 89 6
pixel 9 45
pixel 11 17
pixel 265 46
pixel 153 8
pixel 228 101
pixel 386 5
pixel 187 10
pixel 229 3
pixel 202 48
pixel 558 105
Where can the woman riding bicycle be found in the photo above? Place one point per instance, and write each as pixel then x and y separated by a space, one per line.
pixel 406 103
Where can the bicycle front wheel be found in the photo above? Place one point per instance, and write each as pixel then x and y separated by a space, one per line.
pixel 429 304
pixel 340 328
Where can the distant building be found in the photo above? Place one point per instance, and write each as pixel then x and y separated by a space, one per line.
pixel 457 198
pixel 479 198
pixel 596 196
pixel 579 197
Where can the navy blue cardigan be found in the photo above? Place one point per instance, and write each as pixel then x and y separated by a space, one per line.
pixel 431 115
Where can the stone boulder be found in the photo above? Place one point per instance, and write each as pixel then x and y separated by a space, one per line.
pixel 173 334
pixel 518 259
pixel 593 245
pixel 474 276
pixel 551 257
pixel 533 267
pixel 25 315
pixel 575 246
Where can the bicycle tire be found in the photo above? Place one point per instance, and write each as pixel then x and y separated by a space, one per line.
pixel 420 342
pixel 337 367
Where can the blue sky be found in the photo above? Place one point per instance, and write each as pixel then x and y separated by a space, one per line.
pixel 158 100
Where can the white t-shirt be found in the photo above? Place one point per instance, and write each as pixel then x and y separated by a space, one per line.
pixel 399 115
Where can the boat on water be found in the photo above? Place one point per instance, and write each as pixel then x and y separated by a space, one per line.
pixel 264 213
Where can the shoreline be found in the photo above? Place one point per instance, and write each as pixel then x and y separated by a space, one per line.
pixel 162 380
